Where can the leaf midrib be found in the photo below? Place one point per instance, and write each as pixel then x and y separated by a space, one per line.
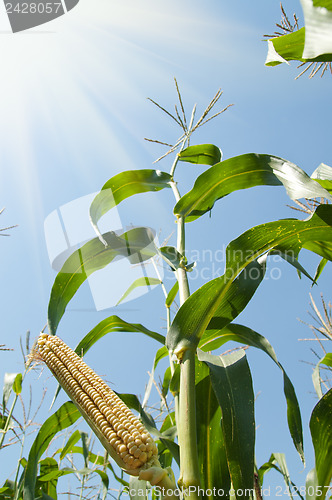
pixel 206 193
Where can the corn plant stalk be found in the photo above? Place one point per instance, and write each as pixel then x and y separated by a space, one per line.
pixel 187 433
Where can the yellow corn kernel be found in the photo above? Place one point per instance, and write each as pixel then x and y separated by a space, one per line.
pixel 119 430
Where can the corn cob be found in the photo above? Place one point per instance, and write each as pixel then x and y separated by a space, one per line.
pixel 119 430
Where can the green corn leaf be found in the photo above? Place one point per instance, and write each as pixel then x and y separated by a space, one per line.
pixel 322 248
pixel 48 477
pixel 114 324
pixel 327 361
pixel 326 184
pixel 311 485
pixel 75 436
pixel 323 175
pixel 168 424
pixel 17 385
pixel 166 381
pixel 320 268
pixel 145 281
pixel 213 338
pixel 210 439
pixel 96 459
pixel 318 34
pixel 327 4
pixel 242 172
pixel 160 354
pixel 136 245
pixel 287 236
pixel 8 382
pixel 321 433
pixel 85 448
pixel 164 456
pixel 174 385
pixel 277 461
pixel 64 417
pixel 9 490
pixel 232 384
pixel 172 294
pixel 312 43
pixel 290 47
pixel 64 472
pixel 219 297
pixel 104 482
pixel 205 154
pixel 44 496
pixel 292 260
pixel 124 185
pixel 286 48
pixel 171 256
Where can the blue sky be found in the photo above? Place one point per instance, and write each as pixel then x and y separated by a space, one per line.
pixel 74 112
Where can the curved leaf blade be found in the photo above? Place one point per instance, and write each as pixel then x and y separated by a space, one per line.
pixel 160 354
pixel 318 34
pixel 320 268
pixel 124 185
pixel 292 260
pixel 287 235
pixel 8 383
pixel 219 297
pixel 137 245
pixel 104 482
pixel 17 385
pixel 323 175
pixel 172 294
pixel 210 439
pixel 290 47
pixel 242 172
pixel 74 437
pixel 174 385
pixel 48 478
pixel 322 248
pixel 327 4
pixel 64 417
pixel 311 485
pixel 114 324
pixel 213 338
pixel 139 282
pixel 286 48
pixel 327 361
pixel 277 461
pixel 173 258
pixel 202 154
pixel 231 381
pixel 321 433
pixel 166 382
